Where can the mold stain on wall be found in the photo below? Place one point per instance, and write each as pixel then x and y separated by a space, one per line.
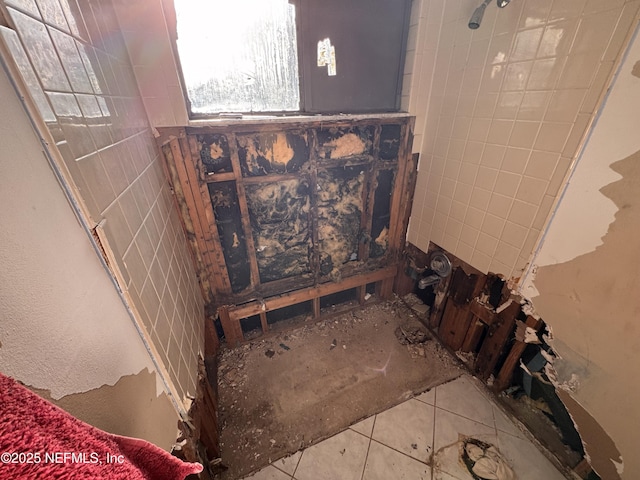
pixel 339 201
pixel 224 200
pixel 345 142
pixel 272 153
pixel 214 153
pixel 279 215
pixel 592 303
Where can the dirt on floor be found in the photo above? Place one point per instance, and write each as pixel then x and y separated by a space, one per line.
pixel 285 391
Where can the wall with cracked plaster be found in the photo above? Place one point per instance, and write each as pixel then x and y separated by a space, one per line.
pixel 64 328
pixel 586 281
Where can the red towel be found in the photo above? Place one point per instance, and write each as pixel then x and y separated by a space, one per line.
pixel 41 441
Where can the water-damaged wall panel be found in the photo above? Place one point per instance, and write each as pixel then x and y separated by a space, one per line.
pixel 339 201
pixel 224 200
pixel 280 223
pixel 381 213
pixel 298 204
pixel 214 153
pixel 390 137
pixel 272 153
pixel 345 142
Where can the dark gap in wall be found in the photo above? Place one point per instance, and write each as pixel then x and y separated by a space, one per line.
pixel 224 200
pixel 287 313
pixel 338 298
pixel 371 288
pixel 381 213
pixel 250 324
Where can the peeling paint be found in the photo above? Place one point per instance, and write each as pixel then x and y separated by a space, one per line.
pixel 586 279
pixel 129 407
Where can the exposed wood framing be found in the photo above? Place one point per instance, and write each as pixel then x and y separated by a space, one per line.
pixel 508 367
pixel 497 336
pixel 244 212
pixel 230 316
pixel 230 157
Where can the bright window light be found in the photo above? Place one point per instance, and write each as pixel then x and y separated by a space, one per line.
pixel 238 55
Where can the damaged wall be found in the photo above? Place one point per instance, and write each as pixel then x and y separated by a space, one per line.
pixel 64 328
pixel 584 281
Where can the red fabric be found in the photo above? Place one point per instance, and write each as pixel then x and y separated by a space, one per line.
pixel 40 441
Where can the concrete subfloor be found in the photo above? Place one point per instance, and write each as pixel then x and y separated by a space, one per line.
pixel 347 397
pixel 423 438
pixel 283 392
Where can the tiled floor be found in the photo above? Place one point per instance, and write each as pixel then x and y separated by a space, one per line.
pixel 399 443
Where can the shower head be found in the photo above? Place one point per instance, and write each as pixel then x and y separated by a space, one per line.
pixel 476 18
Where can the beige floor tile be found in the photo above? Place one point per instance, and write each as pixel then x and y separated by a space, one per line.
pixel 288 464
pixel 340 457
pixel 462 397
pixel 269 473
pixel 365 427
pixel 384 463
pixel 428 397
pixel 526 460
pixel 407 428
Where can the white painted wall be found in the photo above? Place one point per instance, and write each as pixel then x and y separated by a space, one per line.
pixel 63 325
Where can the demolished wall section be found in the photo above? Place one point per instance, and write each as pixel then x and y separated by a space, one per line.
pixel 586 281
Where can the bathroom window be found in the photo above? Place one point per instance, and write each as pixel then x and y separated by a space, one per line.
pixel 296 56
pixel 252 62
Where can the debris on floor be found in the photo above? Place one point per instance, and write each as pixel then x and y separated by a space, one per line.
pixel 484 461
pixel 420 309
pixel 337 371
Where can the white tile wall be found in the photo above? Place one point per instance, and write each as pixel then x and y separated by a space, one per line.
pixel 501 112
